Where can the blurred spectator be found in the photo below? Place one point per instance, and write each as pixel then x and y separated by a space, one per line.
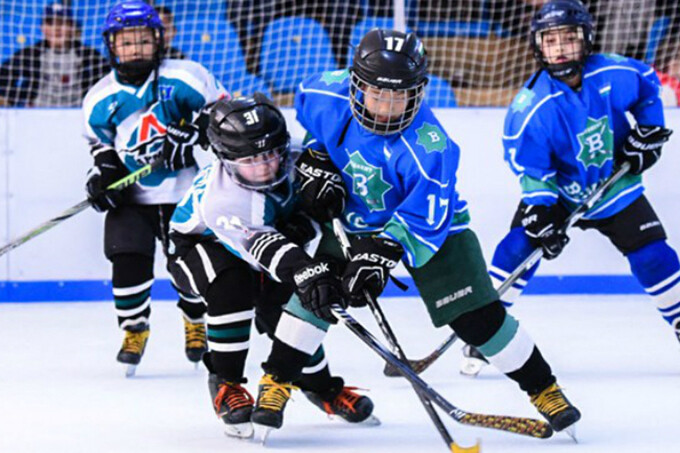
pixel 251 17
pixel 622 26
pixel 57 71
pixel 168 19
pixel 669 75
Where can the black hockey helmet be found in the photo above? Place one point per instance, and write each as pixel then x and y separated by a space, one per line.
pixel 394 65
pixel 562 13
pixel 247 133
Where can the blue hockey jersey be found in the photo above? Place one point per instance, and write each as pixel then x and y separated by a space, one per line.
pixel 402 186
pixel 561 142
pixel 133 120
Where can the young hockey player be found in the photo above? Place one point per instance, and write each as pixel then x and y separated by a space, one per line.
pixel 399 166
pixel 564 133
pixel 236 242
pixel 142 111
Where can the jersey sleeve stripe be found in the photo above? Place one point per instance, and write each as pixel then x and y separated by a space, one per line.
pixel 420 167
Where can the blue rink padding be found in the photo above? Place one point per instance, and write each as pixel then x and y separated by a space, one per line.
pixel 100 290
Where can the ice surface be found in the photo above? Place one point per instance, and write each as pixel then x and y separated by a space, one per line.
pixel 61 389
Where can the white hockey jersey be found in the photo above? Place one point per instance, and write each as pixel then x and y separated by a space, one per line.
pixel 133 120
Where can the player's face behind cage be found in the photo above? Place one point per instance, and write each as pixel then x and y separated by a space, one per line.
pixel 260 171
pixel 384 111
pixel 561 45
pixel 136 44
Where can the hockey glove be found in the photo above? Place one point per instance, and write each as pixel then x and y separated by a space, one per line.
pixel 298 229
pixel 544 227
pixel 642 147
pixel 318 286
pixel 178 147
pixel 322 192
pixel 369 267
pixel 107 169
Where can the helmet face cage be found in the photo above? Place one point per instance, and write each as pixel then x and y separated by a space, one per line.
pixel 576 53
pixel 141 23
pixel 384 111
pixel 554 16
pixel 261 171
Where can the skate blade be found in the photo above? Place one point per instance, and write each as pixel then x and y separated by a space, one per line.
pixel 196 366
pixel 239 430
pixel 571 432
pixel 130 371
pixel 263 434
pixel 471 366
pixel 371 420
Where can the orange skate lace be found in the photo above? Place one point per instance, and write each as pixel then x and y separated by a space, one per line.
pixel 234 396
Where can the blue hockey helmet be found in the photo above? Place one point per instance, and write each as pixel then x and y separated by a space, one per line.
pixel 130 14
pixel 557 14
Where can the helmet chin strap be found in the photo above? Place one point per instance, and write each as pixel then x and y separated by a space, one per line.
pixel 135 72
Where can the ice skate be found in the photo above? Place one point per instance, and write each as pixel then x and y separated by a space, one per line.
pixel 473 361
pixel 556 408
pixel 344 402
pixel 133 347
pixel 271 402
pixel 195 343
pixel 233 405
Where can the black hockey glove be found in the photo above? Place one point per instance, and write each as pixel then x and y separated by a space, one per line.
pixel 369 267
pixel 544 225
pixel 107 169
pixel 178 147
pixel 318 286
pixel 298 229
pixel 642 147
pixel 322 192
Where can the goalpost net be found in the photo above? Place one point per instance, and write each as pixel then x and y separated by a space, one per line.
pixel 478 49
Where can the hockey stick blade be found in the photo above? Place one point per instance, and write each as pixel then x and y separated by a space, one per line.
pixel 418 366
pixel 121 184
pixel 515 425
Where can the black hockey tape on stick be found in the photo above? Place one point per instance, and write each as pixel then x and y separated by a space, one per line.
pixel 121 184
pixel 516 425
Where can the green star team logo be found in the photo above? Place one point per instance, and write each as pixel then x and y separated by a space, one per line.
pixel 597 143
pixel 331 77
pixel 524 99
pixel 431 138
pixel 367 182
pixel 615 57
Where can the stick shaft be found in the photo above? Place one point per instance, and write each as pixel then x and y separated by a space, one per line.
pixel 121 184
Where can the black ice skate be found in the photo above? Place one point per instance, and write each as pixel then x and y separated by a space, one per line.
pixel 344 402
pixel 473 361
pixel 195 343
pixel 233 405
pixel 133 347
pixel 271 402
pixel 556 408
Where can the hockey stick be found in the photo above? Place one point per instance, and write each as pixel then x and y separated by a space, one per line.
pixel 121 184
pixel 527 264
pixel 392 340
pixel 516 425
